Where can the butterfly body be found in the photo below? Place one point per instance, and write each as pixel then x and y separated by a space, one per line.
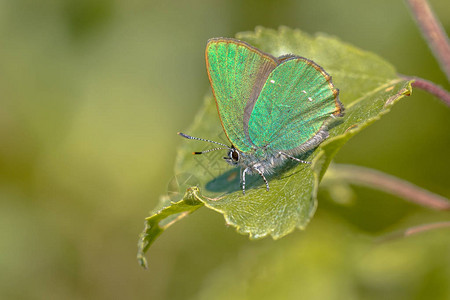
pixel 257 161
pixel 271 109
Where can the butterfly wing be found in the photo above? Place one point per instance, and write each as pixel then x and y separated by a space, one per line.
pixel 294 106
pixel 237 72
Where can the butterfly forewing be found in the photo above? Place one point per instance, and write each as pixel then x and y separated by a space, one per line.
pixel 293 106
pixel 237 73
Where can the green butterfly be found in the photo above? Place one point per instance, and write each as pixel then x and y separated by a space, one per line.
pixel 271 109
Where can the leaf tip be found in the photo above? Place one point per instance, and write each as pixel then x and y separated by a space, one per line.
pixel 142 261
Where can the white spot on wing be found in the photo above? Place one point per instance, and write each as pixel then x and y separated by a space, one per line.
pixel 310 99
pixel 272 81
pixel 304 92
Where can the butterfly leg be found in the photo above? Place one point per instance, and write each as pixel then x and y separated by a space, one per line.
pixel 243 180
pixel 295 158
pixel 264 178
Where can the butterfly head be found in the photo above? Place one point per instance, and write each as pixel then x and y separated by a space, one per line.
pixel 233 156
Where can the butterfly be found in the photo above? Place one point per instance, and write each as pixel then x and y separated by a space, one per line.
pixel 272 109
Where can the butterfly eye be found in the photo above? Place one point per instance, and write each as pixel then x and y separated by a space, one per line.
pixel 235 155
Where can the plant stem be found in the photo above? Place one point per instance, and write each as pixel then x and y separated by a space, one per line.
pixel 396 186
pixel 430 87
pixel 433 32
pixel 425 227
pixel 413 231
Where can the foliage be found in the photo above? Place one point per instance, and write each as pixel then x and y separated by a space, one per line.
pixel 369 87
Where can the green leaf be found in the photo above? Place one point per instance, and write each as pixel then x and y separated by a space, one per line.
pixel 164 217
pixel 368 85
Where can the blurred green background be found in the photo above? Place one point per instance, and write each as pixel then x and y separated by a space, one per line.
pixel 92 94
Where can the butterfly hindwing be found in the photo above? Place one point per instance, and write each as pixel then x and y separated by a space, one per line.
pixel 294 105
pixel 237 73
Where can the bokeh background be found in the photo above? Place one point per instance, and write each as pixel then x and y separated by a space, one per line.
pixel 92 94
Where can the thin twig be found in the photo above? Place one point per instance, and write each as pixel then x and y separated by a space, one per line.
pixel 433 32
pixel 388 183
pixel 425 227
pixel 430 87
pixel 413 231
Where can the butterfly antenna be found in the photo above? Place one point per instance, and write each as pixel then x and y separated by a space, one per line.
pixel 204 140
pixel 209 150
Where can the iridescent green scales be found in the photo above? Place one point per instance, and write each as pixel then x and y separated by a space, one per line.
pixel 294 104
pixel 271 109
pixel 237 73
